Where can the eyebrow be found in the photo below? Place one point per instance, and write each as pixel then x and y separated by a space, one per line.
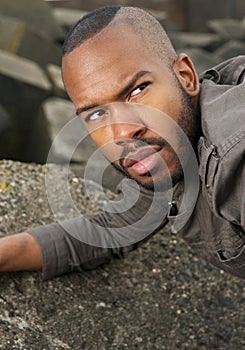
pixel 121 93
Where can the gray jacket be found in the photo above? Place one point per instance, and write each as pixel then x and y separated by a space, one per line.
pixel 216 227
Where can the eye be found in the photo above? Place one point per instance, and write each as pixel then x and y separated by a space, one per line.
pixel 95 115
pixel 139 89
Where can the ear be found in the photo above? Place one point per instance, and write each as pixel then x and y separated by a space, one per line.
pixel 187 75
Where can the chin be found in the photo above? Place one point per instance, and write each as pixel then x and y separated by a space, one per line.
pixel 154 182
pixel 160 183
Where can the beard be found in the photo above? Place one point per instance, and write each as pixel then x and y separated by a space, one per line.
pixel 189 122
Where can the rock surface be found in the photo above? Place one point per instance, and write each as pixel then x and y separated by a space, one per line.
pixel 18 38
pixel 36 13
pixel 23 87
pixel 162 296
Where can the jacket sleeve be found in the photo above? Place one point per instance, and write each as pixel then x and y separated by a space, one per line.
pixel 88 241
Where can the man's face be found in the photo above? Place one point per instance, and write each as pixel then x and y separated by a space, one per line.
pixel 110 78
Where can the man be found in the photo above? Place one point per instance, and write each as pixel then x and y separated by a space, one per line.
pixel 118 63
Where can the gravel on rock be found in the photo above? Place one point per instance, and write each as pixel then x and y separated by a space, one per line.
pixel 162 296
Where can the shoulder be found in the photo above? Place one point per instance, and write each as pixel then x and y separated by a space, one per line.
pixel 231 72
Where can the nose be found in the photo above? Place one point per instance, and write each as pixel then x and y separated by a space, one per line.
pixel 126 125
pixel 125 132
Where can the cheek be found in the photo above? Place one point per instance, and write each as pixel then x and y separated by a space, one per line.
pixel 105 142
pixel 166 100
pixel 169 103
pixel 99 137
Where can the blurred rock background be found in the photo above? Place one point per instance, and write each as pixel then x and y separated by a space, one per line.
pixel 34 105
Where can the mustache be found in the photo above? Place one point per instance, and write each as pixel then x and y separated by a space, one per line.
pixel 134 145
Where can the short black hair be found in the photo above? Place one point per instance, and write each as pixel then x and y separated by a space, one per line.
pixel 154 37
pixel 91 24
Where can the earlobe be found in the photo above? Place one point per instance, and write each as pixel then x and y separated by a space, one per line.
pixel 187 75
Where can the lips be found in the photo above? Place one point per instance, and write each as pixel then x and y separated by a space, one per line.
pixel 142 161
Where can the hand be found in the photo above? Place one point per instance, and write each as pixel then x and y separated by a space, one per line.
pixel 20 252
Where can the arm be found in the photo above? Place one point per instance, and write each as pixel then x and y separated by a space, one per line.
pixel 55 251
pixel 20 252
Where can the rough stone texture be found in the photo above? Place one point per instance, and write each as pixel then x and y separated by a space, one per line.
pixel 162 296
pixel 36 13
pixel 18 38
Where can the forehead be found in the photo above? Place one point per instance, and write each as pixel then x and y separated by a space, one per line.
pixel 112 43
pixel 108 58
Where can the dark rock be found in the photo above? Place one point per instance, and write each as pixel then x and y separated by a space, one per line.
pixel 228 28
pixel 54 114
pixel 67 17
pixel 206 41
pixel 7 141
pixel 18 38
pixel 54 74
pixel 164 242
pixel 36 13
pixel 23 87
pixel 5 120
pixel 231 49
pixel 198 12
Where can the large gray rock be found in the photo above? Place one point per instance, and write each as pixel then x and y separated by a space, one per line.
pixel 18 38
pixel 23 87
pixel 55 114
pixel 7 141
pixel 55 76
pixel 36 13
pixel 231 49
pixel 228 28
pixel 198 12
pixel 206 41
pixel 5 120
pixel 67 17
pixel 161 297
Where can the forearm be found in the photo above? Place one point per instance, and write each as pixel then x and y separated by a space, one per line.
pixel 20 252
pixel 66 246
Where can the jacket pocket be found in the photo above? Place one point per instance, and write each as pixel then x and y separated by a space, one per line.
pixel 234 265
pixel 209 160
